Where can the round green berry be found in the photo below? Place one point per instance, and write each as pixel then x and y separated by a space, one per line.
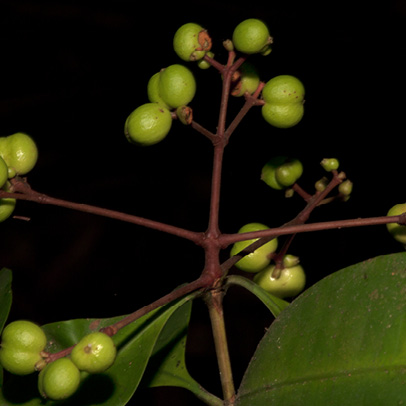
pixel 153 90
pixel 289 172
pixel 268 173
pixel 203 63
pixel 20 153
pixel 284 97
pixel 251 36
pixel 282 116
pixel 59 380
pixel 397 231
pixel 3 172
pixel 7 204
pixel 283 89
pixel 94 353
pixel 259 259
pixel 177 85
pixel 291 281
pixel 148 124
pixel 248 80
pixel 191 42
pixel 21 345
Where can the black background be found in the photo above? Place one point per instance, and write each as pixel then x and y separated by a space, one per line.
pixel 71 72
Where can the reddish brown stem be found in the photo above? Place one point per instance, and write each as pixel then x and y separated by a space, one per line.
pixel 22 191
pixel 200 283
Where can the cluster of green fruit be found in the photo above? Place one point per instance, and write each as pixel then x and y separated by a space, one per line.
pixel 18 155
pixel 283 95
pixel 22 352
pixel 171 89
pixel 286 281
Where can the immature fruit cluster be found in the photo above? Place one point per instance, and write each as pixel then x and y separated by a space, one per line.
pixel 18 155
pixel 284 97
pixel 397 231
pixel 260 258
pixel 22 343
pixel 281 172
pixel 286 282
pixel 22 353
pixel 94 353
pixel 252 36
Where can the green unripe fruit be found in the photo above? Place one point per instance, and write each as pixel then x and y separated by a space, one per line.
pixel 248 81
pixel 3 172
pixel 20 153
pixel 259 259
pixel 191 42
pixel 148 124
pixel 177 85
pixel 283 89
pixel 290 283
pixel 153 90
pixel 397 231
pixel 251 36
pixel 59 380
pixel 282 116
pixel 21 345
pixel 94 353
pixel 203 64
pixel 284 98
pixel 7 204
pixel 280 172
pixel 289 172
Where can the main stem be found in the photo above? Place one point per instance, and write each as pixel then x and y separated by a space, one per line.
pixel 214 297
pixel 214 301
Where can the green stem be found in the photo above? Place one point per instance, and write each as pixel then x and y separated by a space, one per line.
pixel 214 301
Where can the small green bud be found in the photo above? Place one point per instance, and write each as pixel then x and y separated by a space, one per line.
pixel 345 188
pixel 290 260
pixel 321 184
pixel 330 164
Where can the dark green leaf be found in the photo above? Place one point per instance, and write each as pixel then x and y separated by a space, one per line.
pixel 167 366
pixel 5 295
pixel 342 342
pixel 5 303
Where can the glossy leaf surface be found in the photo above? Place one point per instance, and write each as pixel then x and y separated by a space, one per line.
pixel 342 342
